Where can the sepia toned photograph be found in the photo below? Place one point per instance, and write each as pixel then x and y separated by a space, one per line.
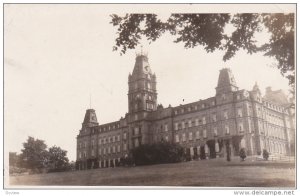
pixel 149 95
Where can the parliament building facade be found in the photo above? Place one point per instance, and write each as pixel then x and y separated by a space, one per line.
pixel 234 118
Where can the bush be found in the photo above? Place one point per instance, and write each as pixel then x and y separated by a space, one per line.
pixel 157 153
pixel 243 154
pixel 265 154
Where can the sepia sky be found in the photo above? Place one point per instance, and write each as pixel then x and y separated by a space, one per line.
pixel 55 56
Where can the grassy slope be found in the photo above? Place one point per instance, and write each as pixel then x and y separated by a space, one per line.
pixel 218 173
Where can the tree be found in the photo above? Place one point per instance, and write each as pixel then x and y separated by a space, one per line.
pixel 265 154
pixel 34 154
pixel 57 159
pixel 243 154
pixel 162 152
pixel 14 159
pixel 207 30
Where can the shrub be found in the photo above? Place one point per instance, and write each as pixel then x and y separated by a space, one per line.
pixel 157 153
pixel 243 154
pixel 265 154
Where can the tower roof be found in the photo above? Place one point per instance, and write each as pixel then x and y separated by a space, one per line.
pixel 256 88
pixel 90 117
pixel 141 65
pixel 277 96
pixel 226 78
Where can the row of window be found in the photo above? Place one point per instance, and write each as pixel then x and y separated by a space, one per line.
pixel 103 151
pixel 104 140
pixel 275 132
pixel 192 108
pixel 110 127
pixel 276 147
pixel 164 127
pixel 196 135
pixel 190 123
pixel 274 107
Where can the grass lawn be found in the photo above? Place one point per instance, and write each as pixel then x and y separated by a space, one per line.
pixel 217 173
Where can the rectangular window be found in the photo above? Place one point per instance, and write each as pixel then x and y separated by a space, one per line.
pixel 227 130
pixel 124 147
pixel 167 138
pixel 197 122
pixel 183 137
pixel 114 139
pixel 136 142
pixel 79 155
pixel 214 117
pixel 176 138
pixel 225 115
pixel 84 154
pixel 114 149
pixel 104 141
pixel 182 124
pixel 99 151
pixel 190 123
pixel 93 152
pixel 136 131
pixel 119 148
pixel 104 150
pixel 241 129
pixel 124 136
pixel 197 135
pixel 204 133
pixel 99 141
pixel 166 127
pixel 190 135
pixel 204 120
pixel 215 131
pixel 239 112
pixel 118 138
pixel 108 150
pixel 176 126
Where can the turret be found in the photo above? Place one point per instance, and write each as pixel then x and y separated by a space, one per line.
pixel 142 94
pixel 226 82
pixel 90 118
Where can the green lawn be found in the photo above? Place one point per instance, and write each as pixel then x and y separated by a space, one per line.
pixel 207 173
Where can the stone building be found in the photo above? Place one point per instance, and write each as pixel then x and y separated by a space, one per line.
pixel 210 128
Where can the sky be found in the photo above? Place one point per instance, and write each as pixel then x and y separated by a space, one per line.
pixel 57 56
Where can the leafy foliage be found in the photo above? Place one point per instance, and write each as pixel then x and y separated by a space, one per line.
pixel 243 154
pixel 157 153
pixel 36 157
pixel 208 30
pixel 265 154
pixel 57 159
pixel 34 154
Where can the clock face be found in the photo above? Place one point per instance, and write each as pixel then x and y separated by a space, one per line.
pixel 146 68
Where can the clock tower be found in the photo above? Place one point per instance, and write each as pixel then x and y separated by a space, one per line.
pixel 142 94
